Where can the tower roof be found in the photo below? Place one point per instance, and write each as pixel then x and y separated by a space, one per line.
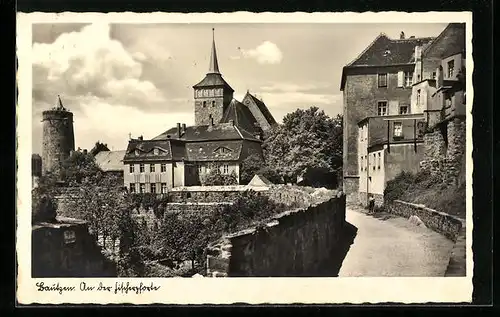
pixel 59 105
pixel 214 65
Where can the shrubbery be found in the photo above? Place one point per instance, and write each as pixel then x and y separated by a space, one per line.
pixel 216 178
pixel 423 188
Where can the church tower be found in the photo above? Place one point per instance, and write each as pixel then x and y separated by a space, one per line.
pixel 58 137
pixel 213 94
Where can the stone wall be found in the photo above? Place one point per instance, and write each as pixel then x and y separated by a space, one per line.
pixel 441 222
pixel 66 249
pixel 308 241
pixel 444 149
pixel 58 138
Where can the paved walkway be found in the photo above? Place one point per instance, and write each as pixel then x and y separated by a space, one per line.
pixel 386 245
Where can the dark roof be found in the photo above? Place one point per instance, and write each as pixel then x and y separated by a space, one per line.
pixel 213 80
pixel 221 131
pixel 457 47
pixel 263 108
pixel 145 150
pixel 241 116
pixel 210 151
pixel 384 51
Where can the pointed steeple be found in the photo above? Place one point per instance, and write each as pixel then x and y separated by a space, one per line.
pixel 214 65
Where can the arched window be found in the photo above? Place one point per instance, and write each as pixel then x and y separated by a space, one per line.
pixel 204 104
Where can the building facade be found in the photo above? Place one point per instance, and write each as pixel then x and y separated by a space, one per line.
pixel 377 88
pixel 226 131
pixel 444 64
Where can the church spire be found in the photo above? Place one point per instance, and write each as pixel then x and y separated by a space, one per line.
pixel 214 65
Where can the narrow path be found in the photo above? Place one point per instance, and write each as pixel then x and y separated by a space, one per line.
pixel 387 245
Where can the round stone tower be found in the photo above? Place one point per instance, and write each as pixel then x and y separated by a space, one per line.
pixel 58 137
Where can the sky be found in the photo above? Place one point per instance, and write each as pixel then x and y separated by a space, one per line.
pixel 121 79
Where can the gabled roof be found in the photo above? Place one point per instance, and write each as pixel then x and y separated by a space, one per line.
pixel 259 180
pixel 241 116
pixel 207 151
pixel 457 47
pixel 262 107
pixel 145 150
pixel 110 160
pixel 384 51
pixel 221 131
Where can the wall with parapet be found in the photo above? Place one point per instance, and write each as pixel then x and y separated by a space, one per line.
pixel 450 226
pixel 308 241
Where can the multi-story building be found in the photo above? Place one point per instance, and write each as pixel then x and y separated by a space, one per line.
pixel 443 86
pixel 226 131
pixel 381 126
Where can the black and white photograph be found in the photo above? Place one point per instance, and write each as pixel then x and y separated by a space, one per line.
pixel 197 148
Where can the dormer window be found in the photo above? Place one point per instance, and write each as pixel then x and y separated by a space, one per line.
pixel 136 152
pixel 222 150
pixel 156 151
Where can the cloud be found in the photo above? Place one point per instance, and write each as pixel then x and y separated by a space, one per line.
pixel 293 87
pixel 265 53
pixel 90 63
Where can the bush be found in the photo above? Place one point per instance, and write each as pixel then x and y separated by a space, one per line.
pixel 216 178
pixel 423 188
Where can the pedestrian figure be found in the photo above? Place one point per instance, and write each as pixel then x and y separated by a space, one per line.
pixel 371 205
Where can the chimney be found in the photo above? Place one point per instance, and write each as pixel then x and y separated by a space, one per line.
pixel 183 128
pixel 402 35
pixel 412 37
pixel 231 122
pixel 418 53
pixel 178 130
pixel 141 138
pixel 85 151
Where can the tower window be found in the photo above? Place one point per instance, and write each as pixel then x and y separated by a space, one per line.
pixel 213 103
pixel 204 104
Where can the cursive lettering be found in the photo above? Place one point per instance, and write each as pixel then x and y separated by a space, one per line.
pixel 41 287
pixel 126 287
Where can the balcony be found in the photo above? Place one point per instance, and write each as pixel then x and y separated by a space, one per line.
pixel 394 129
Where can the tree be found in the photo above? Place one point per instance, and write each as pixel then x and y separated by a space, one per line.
pixel 307 139
pixel 216 178
pixel 249 167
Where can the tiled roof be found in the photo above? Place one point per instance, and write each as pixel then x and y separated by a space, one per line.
pixel 213 80
pixel 385 51
pixel 263 108
pixel 221 131
pixel 241 116
pixel 211 151
pixel 110 160
pixel 145 150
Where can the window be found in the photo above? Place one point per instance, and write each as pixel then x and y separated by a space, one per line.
pixel 361 163
pixel 382 108
pixel 408 79
pixel 141 168
pixel 163 188
pixel 403 109
pixel 204 104
pixel 131 168
pixel 225 169
pixel 156 152
pixel 373 162
pixel 69 236
pixel 379 159
pixel 152 168
pixel 382 80
pixel 213 103
pixel 433 75
pixel 136 152
pixel 132 187
pixel 142 188
pixel 398 129
pixel 451 68
pixel 418 97
pixel 153 188
pixel 163 167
